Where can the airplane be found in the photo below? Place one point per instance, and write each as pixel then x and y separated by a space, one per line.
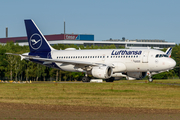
pixel 100 63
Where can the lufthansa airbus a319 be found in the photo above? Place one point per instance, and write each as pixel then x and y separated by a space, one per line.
pixel 100 63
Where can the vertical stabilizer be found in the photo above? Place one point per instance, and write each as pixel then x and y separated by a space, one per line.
pixel 169 51
pixel 37 41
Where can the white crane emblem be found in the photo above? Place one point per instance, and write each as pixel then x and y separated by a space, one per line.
pixel 35 41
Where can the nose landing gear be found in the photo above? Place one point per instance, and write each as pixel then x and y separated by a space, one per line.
pixel 150 76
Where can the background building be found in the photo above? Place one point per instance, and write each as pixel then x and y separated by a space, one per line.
pixel 88 39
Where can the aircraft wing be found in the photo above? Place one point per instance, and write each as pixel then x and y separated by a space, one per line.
pixel 66 61
pixel 47 60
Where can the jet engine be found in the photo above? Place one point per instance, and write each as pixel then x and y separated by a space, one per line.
pixel 138 75
pixel 103 72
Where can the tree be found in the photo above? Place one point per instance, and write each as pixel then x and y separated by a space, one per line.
pixel 11 61
pixel 3 62
pixel 44 73
pixel 13 67
pixel 17 66
pixel 77 75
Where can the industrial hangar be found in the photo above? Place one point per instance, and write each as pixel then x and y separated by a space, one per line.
pixel 88 39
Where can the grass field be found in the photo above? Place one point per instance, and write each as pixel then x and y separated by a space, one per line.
pixel 161 94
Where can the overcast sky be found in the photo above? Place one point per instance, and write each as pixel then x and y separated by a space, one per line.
pixel 132 19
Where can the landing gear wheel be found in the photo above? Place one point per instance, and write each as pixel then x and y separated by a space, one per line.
pixel 150 80
pixel 110 79
pixel 85 79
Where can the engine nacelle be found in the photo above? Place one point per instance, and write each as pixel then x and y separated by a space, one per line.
pixel 103 72
pixel 138 75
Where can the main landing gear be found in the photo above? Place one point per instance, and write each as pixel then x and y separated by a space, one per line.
pixel 110 79
pixel 150 76
pixel 85 79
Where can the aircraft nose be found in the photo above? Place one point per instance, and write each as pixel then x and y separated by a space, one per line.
pixel 172 63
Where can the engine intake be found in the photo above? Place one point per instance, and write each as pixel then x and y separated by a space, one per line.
pixel 103 72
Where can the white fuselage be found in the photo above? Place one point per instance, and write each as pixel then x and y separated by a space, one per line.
pixel 121 60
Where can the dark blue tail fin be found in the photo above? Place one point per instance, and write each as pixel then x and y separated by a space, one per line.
pixel 37 42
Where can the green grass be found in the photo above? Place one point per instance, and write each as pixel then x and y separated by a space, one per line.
pixel 139 94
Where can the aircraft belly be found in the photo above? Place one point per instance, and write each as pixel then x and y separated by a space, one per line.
pixel 137 67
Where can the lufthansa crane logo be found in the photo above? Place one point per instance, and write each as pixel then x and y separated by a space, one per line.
pixel 35 41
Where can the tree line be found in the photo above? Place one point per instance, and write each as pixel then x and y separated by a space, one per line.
pixel 13 68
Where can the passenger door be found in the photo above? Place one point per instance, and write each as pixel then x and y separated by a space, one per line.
pixel 145 57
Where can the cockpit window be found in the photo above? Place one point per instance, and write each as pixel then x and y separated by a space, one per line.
pixel 165 55
pixel 161 55
pixel 157 55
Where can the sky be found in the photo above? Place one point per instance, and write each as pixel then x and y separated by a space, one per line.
pixel 132 19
